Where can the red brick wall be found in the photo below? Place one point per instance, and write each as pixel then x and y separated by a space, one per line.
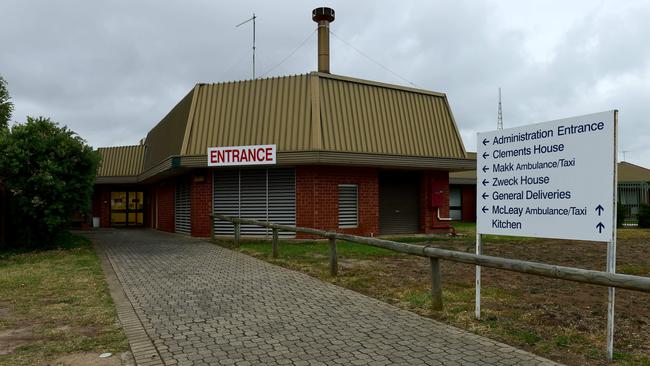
pixel 201 202
pixel 317 198
pixel 102 204
pixel 433 181
pixel 164 194
pixel 468 202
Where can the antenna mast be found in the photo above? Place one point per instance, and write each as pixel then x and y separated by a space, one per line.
pixel 244 22
pixel 500 114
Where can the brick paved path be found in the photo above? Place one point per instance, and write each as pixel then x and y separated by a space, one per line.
pixel 204 305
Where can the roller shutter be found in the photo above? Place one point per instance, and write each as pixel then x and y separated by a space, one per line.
pixel 225 199
pixel 182 207
pixel 259 194
pixel 399 203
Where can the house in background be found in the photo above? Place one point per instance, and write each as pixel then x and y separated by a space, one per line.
pixel 633 189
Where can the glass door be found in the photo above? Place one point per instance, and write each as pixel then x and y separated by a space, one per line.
pixel 127 208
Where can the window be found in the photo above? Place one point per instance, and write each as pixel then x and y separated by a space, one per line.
pixel 348 206
pixel 455 202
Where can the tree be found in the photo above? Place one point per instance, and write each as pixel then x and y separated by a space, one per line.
pixel 49 172
pixel 6 106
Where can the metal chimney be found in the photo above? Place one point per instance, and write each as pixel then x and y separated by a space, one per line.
pixel 323 16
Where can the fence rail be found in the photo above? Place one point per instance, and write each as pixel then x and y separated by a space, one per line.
pixel 629 282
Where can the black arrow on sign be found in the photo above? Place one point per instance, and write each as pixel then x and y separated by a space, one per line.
pixel 600 227
pixel 485 182
pixel 485 195
pixel 485 209
pixel 485 142
pixel 600 209
pixel 485 168
pixel 485 155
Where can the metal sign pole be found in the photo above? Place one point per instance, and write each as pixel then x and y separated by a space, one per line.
pixel 479 251
pixel 611 253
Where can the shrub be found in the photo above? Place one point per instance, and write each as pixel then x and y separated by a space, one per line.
pixel 644 216
pixel 49 172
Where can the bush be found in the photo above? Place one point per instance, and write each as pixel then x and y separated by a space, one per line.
pixel 644 216
pixel 621 214
pixel 49 172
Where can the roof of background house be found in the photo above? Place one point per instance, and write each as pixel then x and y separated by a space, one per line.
pixel 315 118
pixel 121 161
pixel 628 172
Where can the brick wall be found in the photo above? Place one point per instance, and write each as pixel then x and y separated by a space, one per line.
pixel 468 203
pixel 317 198
pixel 433 181
pixel 201 202
pixel 163 199
pixel 102 204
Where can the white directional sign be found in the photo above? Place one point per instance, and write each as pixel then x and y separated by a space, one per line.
pixel 552 180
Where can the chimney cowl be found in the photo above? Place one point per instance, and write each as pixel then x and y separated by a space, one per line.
pixel 323 13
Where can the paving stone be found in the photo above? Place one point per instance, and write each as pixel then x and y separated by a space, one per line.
pixel 202 304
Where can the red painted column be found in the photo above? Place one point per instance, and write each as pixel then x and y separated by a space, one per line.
pixel 201 202
pixel 434 181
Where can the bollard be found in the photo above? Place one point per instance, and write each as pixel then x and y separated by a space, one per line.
pixel 237 233
pixel 276 243
pixel 333 259
pixel 436 284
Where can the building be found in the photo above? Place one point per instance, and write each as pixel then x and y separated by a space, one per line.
pixel 349 155
pixel 633 190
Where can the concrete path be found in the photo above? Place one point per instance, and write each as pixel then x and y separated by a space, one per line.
pixel 200 304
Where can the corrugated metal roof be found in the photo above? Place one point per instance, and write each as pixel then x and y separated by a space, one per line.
pixel 166 138
pixel 358 116
pixel 264 111
pixel 303 113
pixel 121 161
pixel 322 112
pixel 628 172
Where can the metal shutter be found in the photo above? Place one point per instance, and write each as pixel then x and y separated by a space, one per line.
pixel 252 196
pixel 399 203
pixel 182 207
pixel 282 199
pixel 225 199
pixel 348 206
pixel 259 194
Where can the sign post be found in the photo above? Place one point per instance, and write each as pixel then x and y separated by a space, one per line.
pixel 553 179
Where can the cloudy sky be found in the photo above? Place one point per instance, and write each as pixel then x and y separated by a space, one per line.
pixel 110 70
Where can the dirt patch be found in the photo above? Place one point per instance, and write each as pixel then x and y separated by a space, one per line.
pixel 14 338
pixel 84 331
pixel 91 359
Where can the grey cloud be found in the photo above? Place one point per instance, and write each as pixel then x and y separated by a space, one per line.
pixel 111 69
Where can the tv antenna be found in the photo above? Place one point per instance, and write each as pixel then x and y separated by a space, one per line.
pixel 244 22
pixel 500 114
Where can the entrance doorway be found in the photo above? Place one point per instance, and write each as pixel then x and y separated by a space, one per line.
pixel 399 205
pixel 127 208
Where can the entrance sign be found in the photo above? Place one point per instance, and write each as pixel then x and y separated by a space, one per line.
pixel 241 155
pixel 552 180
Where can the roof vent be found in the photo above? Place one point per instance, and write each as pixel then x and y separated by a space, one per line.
pixel 323 16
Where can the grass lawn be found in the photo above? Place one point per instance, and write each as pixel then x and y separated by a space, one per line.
pixel 55 303
pixel 560 320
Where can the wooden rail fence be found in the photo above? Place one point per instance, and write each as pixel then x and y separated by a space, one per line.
pixel 629 282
